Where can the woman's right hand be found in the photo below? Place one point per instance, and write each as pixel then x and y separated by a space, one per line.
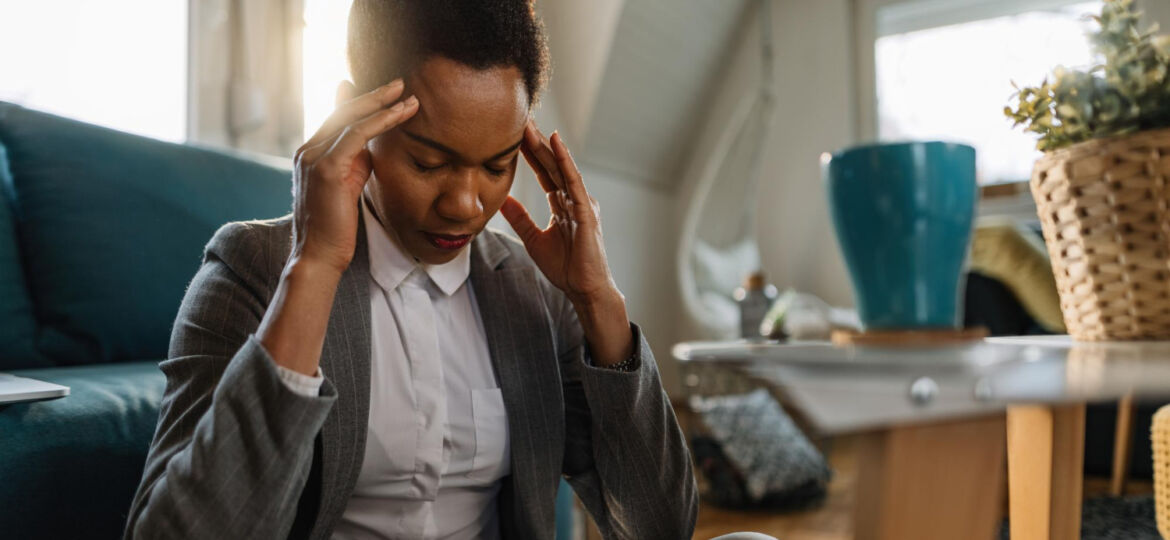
pixel 332 168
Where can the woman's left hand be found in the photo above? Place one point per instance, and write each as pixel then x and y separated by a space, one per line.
pixel 570 251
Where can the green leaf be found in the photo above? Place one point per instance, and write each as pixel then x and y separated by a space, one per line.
pixel 1128 91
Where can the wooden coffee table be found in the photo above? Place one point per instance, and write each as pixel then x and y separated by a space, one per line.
pixel 937 424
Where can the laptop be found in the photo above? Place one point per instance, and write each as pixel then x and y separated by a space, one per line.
pixel 15 389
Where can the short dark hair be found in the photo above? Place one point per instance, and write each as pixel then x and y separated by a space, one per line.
pixel 388 39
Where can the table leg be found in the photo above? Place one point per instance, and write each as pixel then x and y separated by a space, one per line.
pixel 931 481
pixel 1046 452
pixel 1122 443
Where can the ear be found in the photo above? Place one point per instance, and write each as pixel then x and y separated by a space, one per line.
pixel 345 92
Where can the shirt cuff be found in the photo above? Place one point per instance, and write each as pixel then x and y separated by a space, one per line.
pixel 300 383
pixel 629 364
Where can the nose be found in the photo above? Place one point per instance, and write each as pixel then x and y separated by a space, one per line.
pixel 459 200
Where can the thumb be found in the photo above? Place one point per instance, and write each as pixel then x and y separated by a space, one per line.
pixel 519 219
pixel 360 169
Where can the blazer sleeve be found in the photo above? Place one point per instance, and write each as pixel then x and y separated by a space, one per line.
pixel 234 445
pixel 625 455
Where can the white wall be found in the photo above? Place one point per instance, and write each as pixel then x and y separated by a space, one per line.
pixel 582 34
pixel 814 114
pixel 640 244
pixel 739 80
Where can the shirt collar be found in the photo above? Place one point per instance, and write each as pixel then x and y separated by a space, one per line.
pixel 390 263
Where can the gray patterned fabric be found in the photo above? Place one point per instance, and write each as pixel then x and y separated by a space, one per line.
pixel 773 463
pixel 238 455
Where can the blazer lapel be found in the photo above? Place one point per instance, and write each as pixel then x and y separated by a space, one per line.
pixel 523 354
pixel 345 360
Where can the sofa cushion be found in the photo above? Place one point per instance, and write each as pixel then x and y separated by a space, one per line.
pixel 17 323
pixel 113 227
pixel 72 465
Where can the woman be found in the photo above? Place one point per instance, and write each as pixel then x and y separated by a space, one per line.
pixel 377 364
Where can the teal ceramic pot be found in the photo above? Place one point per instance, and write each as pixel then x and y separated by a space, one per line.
pixel 903 214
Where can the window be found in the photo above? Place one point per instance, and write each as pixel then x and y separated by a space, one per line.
pixel 938 80
pixel 324 57
pixel 116 63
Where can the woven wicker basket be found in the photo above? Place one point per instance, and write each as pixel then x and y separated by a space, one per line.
pixel 1105 209
pixel 1160 443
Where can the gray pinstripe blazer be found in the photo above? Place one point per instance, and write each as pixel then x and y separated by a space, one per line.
pixel 238 455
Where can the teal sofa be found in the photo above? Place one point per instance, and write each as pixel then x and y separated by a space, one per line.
pixel 100 233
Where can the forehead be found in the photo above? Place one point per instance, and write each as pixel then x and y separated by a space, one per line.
pixel 476 112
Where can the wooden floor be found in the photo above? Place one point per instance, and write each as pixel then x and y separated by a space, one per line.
pixel 832 520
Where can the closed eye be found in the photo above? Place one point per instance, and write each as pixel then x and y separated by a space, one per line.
pixel 423 167
pixel 498 170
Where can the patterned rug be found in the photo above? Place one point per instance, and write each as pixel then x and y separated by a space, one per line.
pixel 1113 518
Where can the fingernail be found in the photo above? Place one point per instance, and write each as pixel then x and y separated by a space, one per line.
pixel 396 83
pixel 411 101
pixel 397 107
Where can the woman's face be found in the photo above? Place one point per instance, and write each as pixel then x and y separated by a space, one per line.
pixel 440 177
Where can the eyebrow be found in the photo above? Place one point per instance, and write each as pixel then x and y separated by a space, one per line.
pixel 451 151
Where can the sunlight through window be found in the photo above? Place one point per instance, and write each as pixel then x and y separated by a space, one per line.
pixel 324 58
pixel 952 82
pixel 118 63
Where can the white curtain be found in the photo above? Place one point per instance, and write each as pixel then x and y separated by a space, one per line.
pixel 245 75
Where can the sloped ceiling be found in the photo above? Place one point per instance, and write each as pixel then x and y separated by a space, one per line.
pixel 580 36
pixel 661 63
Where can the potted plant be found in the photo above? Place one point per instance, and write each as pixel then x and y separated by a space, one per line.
pixel 1102 187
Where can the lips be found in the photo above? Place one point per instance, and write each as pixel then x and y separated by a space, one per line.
pixel 447 241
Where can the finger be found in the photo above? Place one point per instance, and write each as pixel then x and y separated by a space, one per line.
pixel 362 165
pixel 537 148
pixel 546 183
pixel 310 154
pixel 531 142
pixel 536 143
pixel 520 220
pixel 562 218
pixel 542 176
pixel 355 109
pixel 556 204
pixel 354 138
pixel 572 176
pixel 345 91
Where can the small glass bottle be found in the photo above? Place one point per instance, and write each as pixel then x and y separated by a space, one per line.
pixel 754 299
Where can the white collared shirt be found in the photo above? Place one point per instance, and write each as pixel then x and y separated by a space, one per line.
pixel 437 439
